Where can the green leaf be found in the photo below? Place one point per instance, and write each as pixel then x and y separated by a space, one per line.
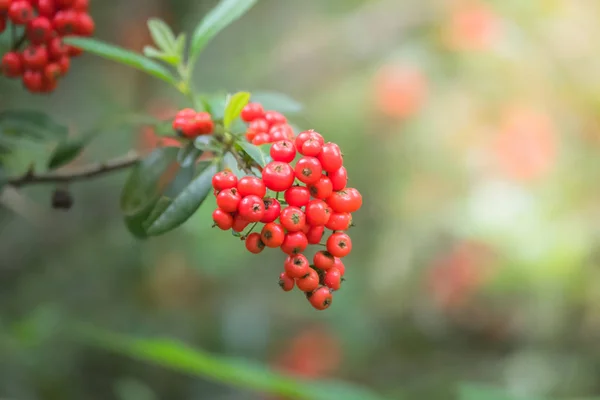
pixel 482 392
pixel 123 56
pixel 232 164
pixel 228 370
pixel 234 107
pixel 188 155
pixel 215 21
pixel 152 52
pixel 65 152
pixel 31 124
pixel 159 208
pixel 148 179
pixel 180 44
pixel 162 35
pixel 131 389
pixel 185 204
pixel 254 152
pixel 277 101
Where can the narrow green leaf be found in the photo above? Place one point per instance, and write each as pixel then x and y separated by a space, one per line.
pixel 254 152
pixel 123 56
pixel 180 44
pixel 277 101
pixel 30 124
pixel 135 223
pixel 234 107
pixel 188 155
pixel 169 58
pixel 159 208
pixel 65 152
pixel 162 35
pixel 215 21
pixel 185 204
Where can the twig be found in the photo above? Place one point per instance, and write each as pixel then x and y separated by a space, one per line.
pixel 80 173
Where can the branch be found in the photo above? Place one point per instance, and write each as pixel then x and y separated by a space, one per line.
pixel 80 173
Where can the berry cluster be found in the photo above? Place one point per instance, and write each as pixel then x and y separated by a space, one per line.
pixel 265 126
pixel 45 58
pixel 319 200
pixel 189 123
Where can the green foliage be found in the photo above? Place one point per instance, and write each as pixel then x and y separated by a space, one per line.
pixel 34 125
pixel 277 101
pixel 255 153
pixel 234 107
pixel 170 48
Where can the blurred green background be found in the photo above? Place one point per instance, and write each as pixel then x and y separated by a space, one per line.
pixel 471 128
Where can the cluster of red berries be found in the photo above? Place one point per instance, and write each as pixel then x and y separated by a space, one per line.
pixel 319 200
pixel 189 123
pixel 46 58
pixel 265 126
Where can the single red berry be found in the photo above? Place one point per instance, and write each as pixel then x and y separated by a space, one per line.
pixel 203 124
pixel 277 134
pixel 228 200
pixel 20 12
pixel 297 196
pixel 35 57
pixel 252 111
pixel 312 148
pixel 65 22
pixel 339 221
pixel 285 282
pixel 250 135
pixel 272 210
pixel 188 113
pixel 304 136
pixel 331 157
pixel 81 5
pixel 224 180
pixel 272 234
pixel 254 244
pixel 292 219
pixel 274 118
pixel 84 24
pixel 308 282
pixel 251 208
pixel 323 260
pixel 322 189
pixel 284 130
pixel 222 219
pixel 296 266
pixel 315 233
pixel 251 185
pixel 283 151
pixel 65 64
pixel 4 6
pixel 52 72
pixel 57 49
pixel 339 265
pixel 46 8
pixel 308 170
pixel 278 176
pixel 321 298
pixel 39 30
pixel 48 85
pixel 239 224
pixel 333 279
pixel 339 179
pixel 339 244
pixel 294 243
pixel 317 212
pixel 346 200
pixel 260 139
pixel 64 3
pixel 259 125
pixel 12 65
pixel 32 80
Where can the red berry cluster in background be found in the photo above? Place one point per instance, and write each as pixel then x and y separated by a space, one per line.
pixel 315 199
pixel 45 58
pixel 189 123
pixel 265 126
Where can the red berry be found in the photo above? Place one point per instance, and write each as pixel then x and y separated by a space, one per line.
pixel 312 147
pixel 304 136
pixel 4 6
pixel 339 178
pixel 347 200
pixel 294 243
pixel 297 196
pixel 251 208
pixel 252 111
pixel 239 224
pixel 292 219
pixel 323 260
pixel 333 279
pixel 57 49
pixel 285 282
pixel 308 282
pixel 222 219
pixel 274 118
pixel 251 185
pixel 259 125
pixel 315 233
pixel 202 123
pixel 12 65
pixel 331 157
pixel 339 221
pixel 321 298
pixel 35 57
pixel 260 139
pixel 272 234
pixel 65 3
pixel 52 72
pixel 317 212
pixel 81 5
pixel 278 176
pixel 272 210
pixel 283 150
pixel 48 85
pixel 277 134
pixel 224 180
pixel 186 113
pixel 321 189
pixel 339 265
pixel 228 200
pixel 254 244
pixel 65 64
pixel 20 12
pixel 39 30
pixel 84 24
pixel 339 244
pixel 46 8
pixel 283 130
pixel 75 51
pixel 32 80
pixel 308 170
pixel 296 266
